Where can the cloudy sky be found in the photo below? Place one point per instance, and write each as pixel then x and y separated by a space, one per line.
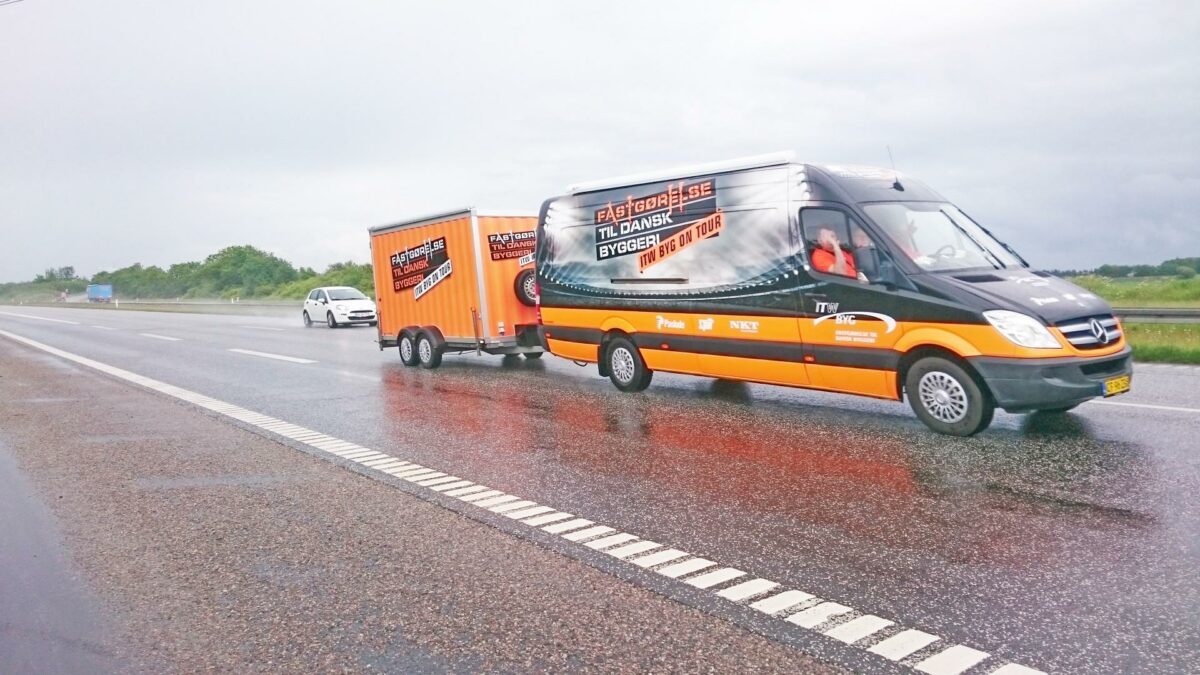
pixel 158 132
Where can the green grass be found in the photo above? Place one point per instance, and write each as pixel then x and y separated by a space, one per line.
pixel 1164 342
pixel 1159 292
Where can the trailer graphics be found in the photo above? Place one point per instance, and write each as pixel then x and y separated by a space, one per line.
pixel 507 245
pixel 421 267
pixel 637 224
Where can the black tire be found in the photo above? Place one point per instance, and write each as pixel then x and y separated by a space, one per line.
pixel 428 353
pixel 406 342
pixel 307 320
pixel 946 397
pixel 372 324
pixel 534 355
pixel 525 288
pixel 626 368
pixel 330 321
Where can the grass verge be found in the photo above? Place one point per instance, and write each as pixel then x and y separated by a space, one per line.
pixel 1164 342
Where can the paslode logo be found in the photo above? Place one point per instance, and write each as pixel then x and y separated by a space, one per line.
pixel 674 324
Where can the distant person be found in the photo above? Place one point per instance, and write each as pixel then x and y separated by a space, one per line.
pixel 828 256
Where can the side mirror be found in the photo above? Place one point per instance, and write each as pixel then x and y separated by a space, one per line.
pixel 889 276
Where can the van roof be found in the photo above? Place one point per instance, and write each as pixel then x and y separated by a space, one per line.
pixel 752 162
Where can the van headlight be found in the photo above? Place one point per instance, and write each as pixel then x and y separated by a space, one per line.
pixel 1021 329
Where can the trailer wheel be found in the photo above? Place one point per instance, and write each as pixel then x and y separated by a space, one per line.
pixel 307 320
pixel 429 354
pixel 626 368
pixel 526 288
pixel 533 355
pixel 947 398
pixel 408 350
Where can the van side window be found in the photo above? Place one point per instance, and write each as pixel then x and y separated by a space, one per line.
pixel 836 244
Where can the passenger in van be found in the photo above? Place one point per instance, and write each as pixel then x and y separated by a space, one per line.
pixel 828 256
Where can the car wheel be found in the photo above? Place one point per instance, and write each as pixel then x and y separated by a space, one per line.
pixel 408 350
pixel 947 398
pixel 307 320
pixel 526 288
pixel 330 321
pixel 533 355
pixel 429 354
pixel 626 368
pixel 372 324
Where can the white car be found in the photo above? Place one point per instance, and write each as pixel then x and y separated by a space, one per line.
pixel 339 306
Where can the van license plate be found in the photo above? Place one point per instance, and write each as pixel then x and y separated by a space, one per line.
pixel 1117 385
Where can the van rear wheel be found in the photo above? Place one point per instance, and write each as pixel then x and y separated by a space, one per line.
pixel 947 398
pixel 626 368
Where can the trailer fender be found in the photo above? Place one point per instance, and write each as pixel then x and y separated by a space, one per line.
pixel 435 335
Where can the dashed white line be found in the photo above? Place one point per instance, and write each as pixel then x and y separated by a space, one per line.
pixel 809 612
pixel 39 318
pixel 103 327
pixel 262 328
pixel 1147 406
pixel 268 355
pixel 156 336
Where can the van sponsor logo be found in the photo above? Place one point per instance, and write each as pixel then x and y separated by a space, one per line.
pixel 527 259
pixel 827 307
pixel 851 319
pixel 413 266
pixel 674 324
pixel 705 325
pixel 743 325
pixel 641 223
pixel 509 245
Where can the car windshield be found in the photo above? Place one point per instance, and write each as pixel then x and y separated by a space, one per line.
pixel 345 294
pixel 938 237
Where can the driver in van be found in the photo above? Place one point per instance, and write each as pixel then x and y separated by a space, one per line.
pixel 828 256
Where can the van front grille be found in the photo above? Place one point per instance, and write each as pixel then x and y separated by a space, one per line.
pixel 1091 332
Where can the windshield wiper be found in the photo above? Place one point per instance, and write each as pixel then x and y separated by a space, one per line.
pixel 988 255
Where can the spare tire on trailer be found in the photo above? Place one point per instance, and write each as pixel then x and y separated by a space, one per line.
pixel 526 288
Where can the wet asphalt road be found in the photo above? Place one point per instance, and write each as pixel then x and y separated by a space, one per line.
pixel 1066 544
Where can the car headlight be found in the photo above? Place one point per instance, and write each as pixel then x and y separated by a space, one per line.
pixel 1021 329
pixel 340 308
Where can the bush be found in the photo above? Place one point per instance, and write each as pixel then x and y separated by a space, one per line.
pixel 1185 272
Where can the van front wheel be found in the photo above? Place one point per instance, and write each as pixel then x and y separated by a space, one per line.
pixel 626 368
pixel 947 398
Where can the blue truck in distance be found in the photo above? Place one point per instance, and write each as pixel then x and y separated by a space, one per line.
pixel 99 293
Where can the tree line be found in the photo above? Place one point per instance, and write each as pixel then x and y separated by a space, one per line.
pixel 236 271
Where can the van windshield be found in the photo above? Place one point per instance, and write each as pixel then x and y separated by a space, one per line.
pixel 939 238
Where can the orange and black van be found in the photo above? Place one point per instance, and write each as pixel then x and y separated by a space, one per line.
pixel 456 282
pixel 840 278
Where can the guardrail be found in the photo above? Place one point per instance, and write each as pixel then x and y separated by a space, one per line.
pixel 1159 315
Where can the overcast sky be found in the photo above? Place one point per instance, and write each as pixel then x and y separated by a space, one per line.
pixel 159 132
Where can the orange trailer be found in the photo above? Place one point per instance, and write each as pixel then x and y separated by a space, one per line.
pixel 456 282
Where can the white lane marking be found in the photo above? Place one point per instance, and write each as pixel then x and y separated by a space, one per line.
pixel 902 644
pixel 39 318
pixel 103 327
pixel 437 481
pixel 548 518
pixel 782 601
pixel 492 501
pixel 531 511
pixel 747 589
pixel 853 631
pixel 815 616
pixel 451 486
pixel 156 336
pixel 686 567
pixel 510 506
pixel 267 355
pixel 714 578
pixel 951 661
pixel 1147 406
pixel 581 535
pixel 413 478
pixel 633 549
pixel 895 647
pixel 609 542
pixel 659 558
pixel 559 528
pixel 262 328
